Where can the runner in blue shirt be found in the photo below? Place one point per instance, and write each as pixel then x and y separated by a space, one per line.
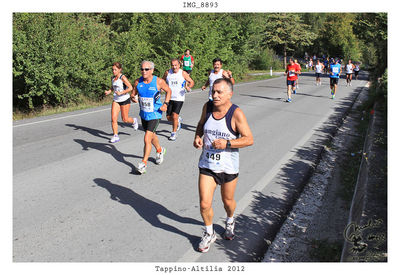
pixel 334 73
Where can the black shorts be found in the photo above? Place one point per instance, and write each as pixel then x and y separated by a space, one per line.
pixel 150 125
pixel 291 82
pixel 334 81
pixel 188 71
pixel 318 75
pixel 220 178
pixel 174 107
pixel 356 73
pixel 126 102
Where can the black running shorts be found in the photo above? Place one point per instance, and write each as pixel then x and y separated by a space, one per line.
pixel 150 125
pixel 220 178
pixel 126 102
pixel 334 81
pixel 174 107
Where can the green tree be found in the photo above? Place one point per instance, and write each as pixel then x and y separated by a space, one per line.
pixel 286 31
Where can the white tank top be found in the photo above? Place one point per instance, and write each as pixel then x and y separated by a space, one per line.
pixel 176 82
pixel 217 160
pixel 212 77
pixel 349 68
pixel 118 86
pixel 318 68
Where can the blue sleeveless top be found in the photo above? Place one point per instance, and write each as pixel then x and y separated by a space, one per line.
pixel 149 99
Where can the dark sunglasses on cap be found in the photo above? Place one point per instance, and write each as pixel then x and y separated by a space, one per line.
pixel 145 69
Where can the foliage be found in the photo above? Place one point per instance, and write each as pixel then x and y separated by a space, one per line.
pixel 63 58
pixel 57 58
pixel 287 31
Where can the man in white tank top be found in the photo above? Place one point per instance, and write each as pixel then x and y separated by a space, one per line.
pixel 319 67
pixel 179 81
pixel 221 131
pixel 215 74
pixel 349 72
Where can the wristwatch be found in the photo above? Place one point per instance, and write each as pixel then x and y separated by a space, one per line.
pixel 228 144
pixel 166 103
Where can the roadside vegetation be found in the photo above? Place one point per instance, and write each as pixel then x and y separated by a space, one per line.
pixel 62 61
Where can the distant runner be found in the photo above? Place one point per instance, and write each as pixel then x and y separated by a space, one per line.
pixel 148 89
pixel 334 73
pixel 319 68
pixel 222 129
pixel 356 70
pixel 179 81
pixel 349 72
pixel 187 61
pixel 298 74
pixel 121 87
pixel 292 70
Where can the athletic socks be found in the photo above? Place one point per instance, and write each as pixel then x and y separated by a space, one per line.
pixel 229 219
pixel 209 229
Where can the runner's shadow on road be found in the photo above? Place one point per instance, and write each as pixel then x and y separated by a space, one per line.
pixel 148 209
pixel 94 132
pixel 266 97
pixel 109 149
pixel 183 125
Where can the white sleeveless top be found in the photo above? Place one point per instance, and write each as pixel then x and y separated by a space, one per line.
pixel 212 77
pixel 176 82
pixel 118 86
pixel 218 160
pixel 349 68
pixel 318 68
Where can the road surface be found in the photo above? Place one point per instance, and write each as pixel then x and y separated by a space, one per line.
pixel 77 198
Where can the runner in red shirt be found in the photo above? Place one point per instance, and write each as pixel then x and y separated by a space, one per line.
pixel 292 70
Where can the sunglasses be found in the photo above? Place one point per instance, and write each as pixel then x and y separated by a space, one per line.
pixel 145 69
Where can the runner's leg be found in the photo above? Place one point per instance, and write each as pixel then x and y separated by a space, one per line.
pixel 115 109
pixel 207 186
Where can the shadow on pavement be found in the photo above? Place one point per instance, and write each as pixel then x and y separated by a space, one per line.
pixel 258 225
pixel 148 209
pixel 109 149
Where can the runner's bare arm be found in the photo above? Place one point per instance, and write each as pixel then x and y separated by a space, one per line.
pixel 198 140
pixel 240 125
pixel 134 91
pixel 128 85
pixel 164 86
pixel 189 80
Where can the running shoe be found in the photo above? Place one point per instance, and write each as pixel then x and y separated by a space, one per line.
pixel 289 100
pixel 206 241
pixel 173 136
pixel 135 124
pixel 179 123
pixel 114 139
pixel 142 168
pixel 333 96
pixel 160 156
pixel 229 230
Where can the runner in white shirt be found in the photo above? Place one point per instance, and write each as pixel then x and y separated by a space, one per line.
pixel 215 74
pixel 349 72
pixel 122 88
pixel 356 70
pixel 179 81
pixel 319 68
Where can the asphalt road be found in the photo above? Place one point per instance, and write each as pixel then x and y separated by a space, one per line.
pixel 76 197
